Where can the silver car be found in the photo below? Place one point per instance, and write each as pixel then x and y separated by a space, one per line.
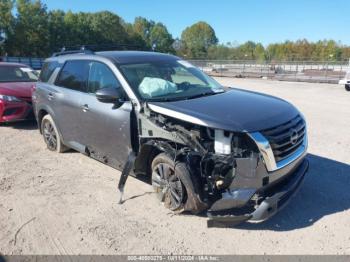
pixel 236 155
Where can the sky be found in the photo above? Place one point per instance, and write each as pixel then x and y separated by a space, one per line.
pixel 264 21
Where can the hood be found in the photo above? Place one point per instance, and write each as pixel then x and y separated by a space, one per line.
pixel 235 110
pixel 18 89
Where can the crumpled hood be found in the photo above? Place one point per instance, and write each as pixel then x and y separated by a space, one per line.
pixel 18 89
pixel 235 110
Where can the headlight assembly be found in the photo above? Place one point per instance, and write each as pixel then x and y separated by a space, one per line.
pixel 10 98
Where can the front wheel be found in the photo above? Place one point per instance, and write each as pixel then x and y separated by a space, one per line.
pixel 51 136
pixel 167 184
pixel 347 87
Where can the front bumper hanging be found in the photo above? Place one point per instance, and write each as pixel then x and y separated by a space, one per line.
pixel 272 203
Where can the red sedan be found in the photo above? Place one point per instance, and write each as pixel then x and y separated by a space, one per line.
pixel 17 82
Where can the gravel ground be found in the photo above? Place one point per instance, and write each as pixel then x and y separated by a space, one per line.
pixel 67 203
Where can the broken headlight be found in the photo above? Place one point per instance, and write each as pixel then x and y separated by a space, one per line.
pixel 235 144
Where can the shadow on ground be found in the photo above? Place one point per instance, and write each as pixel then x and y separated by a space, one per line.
pixel 324 192
pixel 25 125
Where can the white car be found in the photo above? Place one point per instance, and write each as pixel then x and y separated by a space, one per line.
pixel 346 81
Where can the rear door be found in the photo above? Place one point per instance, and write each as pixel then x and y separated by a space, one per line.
pixel 42 96
pixel 106 128
pixel 72 81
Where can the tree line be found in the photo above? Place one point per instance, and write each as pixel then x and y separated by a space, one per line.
pixel 33 30
pixel 300 50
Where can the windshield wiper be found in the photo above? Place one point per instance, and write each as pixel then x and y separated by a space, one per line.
pixel 173 99
pixel 204 94
pixel 160 99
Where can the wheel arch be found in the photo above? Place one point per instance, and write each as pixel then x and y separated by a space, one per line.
pixel 41 114
pixel 144 159
pixel 43 111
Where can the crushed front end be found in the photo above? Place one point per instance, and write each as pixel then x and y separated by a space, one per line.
pixel 233 176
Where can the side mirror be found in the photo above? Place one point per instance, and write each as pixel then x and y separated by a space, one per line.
pixel 110 95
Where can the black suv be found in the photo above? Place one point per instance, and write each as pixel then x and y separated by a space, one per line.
pixel 235 154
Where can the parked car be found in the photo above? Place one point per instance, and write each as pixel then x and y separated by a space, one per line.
pixel 236 154
pixel 16 85
pixel 346 81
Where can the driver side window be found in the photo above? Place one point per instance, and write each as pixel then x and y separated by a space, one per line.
pixel 100 76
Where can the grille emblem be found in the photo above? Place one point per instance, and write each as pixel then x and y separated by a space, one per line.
pixel 294 137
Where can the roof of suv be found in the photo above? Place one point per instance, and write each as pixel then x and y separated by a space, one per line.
pixel 126 57
pixel 123 57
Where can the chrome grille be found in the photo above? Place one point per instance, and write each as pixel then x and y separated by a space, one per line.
pixel 285 139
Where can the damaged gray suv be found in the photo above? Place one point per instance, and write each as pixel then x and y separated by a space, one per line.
pixel 234 154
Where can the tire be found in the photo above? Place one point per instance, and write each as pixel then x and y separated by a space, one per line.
pixel 347 87
pixel 167 184
pixel 51 135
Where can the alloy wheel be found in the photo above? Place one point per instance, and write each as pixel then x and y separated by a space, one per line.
pixel 50 135
pixel 168 186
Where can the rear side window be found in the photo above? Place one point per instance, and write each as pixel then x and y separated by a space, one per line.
pixel 47 70
pixel 74 75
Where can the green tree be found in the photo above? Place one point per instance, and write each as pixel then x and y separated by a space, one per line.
pixel 6 22
pixel 57 30
pixel 246 50
pixel 143 28
pixel 197 39
pixel 35 32
pixel 31 33
pixel 107 28
pixel 155 35
pixel 160 39
pixel 78 29
pixel 259 52
pixel 134 38
pixel 220 52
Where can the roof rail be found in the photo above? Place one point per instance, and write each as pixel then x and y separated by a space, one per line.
pixel 90 49
pixel 71 50
pixel 112 47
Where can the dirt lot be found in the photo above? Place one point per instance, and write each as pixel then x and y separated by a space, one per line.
pixel 67 203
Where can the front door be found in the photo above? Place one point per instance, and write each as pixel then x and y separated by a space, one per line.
pixel 106 127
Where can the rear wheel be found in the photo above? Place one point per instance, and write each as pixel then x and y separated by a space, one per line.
pixel 167 184
pixel 51 135
pixel 347 87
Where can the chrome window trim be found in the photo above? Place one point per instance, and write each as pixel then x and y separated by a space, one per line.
pixel 267 153
pixel 62 59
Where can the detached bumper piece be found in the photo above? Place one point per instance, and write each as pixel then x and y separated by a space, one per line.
pixel 274 198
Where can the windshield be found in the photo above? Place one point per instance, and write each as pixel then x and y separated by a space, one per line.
pixel 169 81
pixel 17 74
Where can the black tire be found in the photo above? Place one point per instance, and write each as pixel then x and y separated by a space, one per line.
pixel 167 184
pixel 51 135
pixel 347 87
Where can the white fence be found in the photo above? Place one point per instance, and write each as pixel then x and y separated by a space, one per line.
pixel 322 72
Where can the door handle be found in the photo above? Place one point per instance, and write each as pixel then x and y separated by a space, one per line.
pixel 50 96
pixel 85 107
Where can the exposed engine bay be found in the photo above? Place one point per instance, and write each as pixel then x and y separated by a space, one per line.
pixel 225 170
